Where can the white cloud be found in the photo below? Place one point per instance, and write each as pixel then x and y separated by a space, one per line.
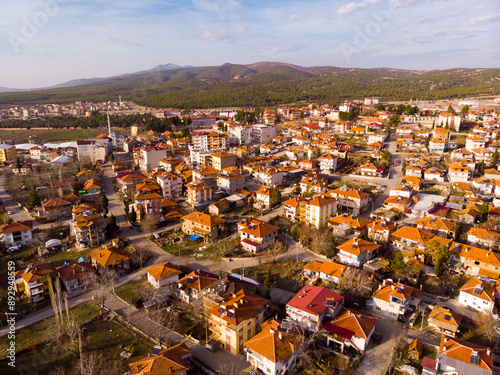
pixel 486 20
pixel 217 35
pixel 350 7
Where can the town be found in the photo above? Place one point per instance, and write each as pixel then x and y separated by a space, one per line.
pixel 362 238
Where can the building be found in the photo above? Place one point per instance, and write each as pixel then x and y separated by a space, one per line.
pixel 459 172
pixel 461 357
pixel 256 236
pixel 238 319
pixel 230 182
pixel 148 202
pixel 312 304
pixel 349 329
pixel 76 276
pixel 127 183
pixel 274 350
pixel 163 274
pixel 203 225
pixel 57 208
pixel 34 282
pixel 408 237
pixel 8 153
pixel 149 158
pixel 263 197
pixel 110 258
pixel 170 184
pixel 356 252
pixel 198 194
pixel 380 230
pixel 268 176
pixel 441 227
pixel 16 233
pixel 327 163
pixel 292 208
pixel 92 150
pixel 195 284
pixel 221 160
pixel 316 211
pixel 478 294
pixel 445 320
pixel 396 300
pixel 88 228
pixel 326 270
pixel 484 238
pixel 474 260
pixel 172 361
pixel 350 200
pixel 206 175
pixel 345 224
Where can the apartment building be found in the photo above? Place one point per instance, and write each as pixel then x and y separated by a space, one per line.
pixel 316 211
pixel 206 226
pixel 394 300
pixel 357 252
pixel 8 153
pixel 350 200
pixel 256 236
pixel 221 160
pixel 170 184
pixel 16 233
pixel 34 282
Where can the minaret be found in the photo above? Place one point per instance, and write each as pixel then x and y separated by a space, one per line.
pixel 109 127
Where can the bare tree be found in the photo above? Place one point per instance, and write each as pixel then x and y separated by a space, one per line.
pixel 91 364
pixel 167 323
pixel 149 223
pixel 104 281
pixel 138 256
pixel 322 241
pixel 356 283
pixel 275 248
pixel 485 326
pixel 228 368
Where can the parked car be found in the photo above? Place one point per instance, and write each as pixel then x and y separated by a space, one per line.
pixel 211 345
pixel 377 338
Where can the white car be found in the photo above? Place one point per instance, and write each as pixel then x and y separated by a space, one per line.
pixel 9 212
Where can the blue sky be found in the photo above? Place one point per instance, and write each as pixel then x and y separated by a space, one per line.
pixel 45 42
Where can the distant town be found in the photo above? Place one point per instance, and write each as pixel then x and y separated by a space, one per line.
pixel 362 238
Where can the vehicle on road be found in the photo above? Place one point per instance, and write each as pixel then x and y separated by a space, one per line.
pixel 377 338
pixel 9 212
pixel 211 345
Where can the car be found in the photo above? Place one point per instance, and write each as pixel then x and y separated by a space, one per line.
pixel 211 345
pixel 377 338
pixel 9 212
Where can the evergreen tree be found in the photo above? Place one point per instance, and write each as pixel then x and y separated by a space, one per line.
pixel 112 227
pixel 33 200
pixel 268 282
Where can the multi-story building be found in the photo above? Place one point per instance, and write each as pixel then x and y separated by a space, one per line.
pixel 75 276
pixel 445 320
pixel 263 197
pixel 230 182
pixel 148 202
pixel 172 361
pixel 478 294
pixel 326 270
pixel 149 158
pixel 195 285
pixel 268 177
pixel 311 304
pixel 16 233
pixel 380 230
pixel 316 211
pixel 198 194
pixel 395 299
pixel 256 235
pixel 221 160
pixel 274 350
pixel 7 153
pixel 127 183
pixel 327 163
pixel 292 208
pixel 87 227
pixel 461 357
pixel 263 134
pixel 459 172
pixel 350 200
pixel 357 252
pixel 171 185
pixel 441 227
pixel 34 282
pixel 206 226
pixel 312 184
pixel 206 175
pixel 238 319
pixel 92 150
pixel 205 141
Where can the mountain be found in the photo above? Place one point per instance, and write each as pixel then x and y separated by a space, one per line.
pixel 9 89
pixel 267 84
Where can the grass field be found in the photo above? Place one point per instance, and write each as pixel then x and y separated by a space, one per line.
pixel 52 135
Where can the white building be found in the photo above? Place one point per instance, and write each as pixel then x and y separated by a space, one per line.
pixel 478 294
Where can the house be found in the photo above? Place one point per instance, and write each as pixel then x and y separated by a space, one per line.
pixel 292 208
pixel 148 202
pixel 110 258
pixel 263 197
pixel 356 252
pixel 478 294
pixel 483 237
pixel 198 193
pixel 459 172
pixel 461 357
pixel 34 282
pixel 313 185
pixel 445 320
pixel 410 237
pixel 92 187
pixel 76 276
pixel 172 361
pixel 369 169
pixel 163 274
pixel 326 270
pixel 469 214
pixel 256 236
pixel 345 224
pixel 195 284
pixel 237 320
pixel 316 211
pixel 397 203
pixel 221 160
pixel 170 184
pixel 268 176
pixel 380 230
pixel 206 175
pixel 127 183
pixel 441 227
pixel 206 226
pixel 349 329
pixel 350 200
pixel 413 171
pixel 328 163
pixel 312 304
pixel 222 289
pixel 219 207
pixel 402 191
pixel 16 233
pixel 475 261
pixel 274 350
pixel 56 208
pixel 396 300
pixel 483 185
pixel 230 182
pixel 432 174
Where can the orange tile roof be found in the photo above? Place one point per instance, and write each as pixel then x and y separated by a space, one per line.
pixel 362 325
pixel 446 316
pixel 244 305
pixel 414 234
pixel 13 227
pixel 55 202
pixel 462 351
pixel 163 271
pixel 397 290
pixel 258 229
pixel 203 219
pixel 198 280
pixel 475 254
pixel 110 256
pixel 357 246
pixel 168 362
pixel 486 290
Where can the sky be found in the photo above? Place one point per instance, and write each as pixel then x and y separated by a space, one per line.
pixel 46 42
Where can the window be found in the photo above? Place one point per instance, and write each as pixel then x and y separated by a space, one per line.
pixel 378 308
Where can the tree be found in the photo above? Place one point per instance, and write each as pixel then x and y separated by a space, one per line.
pixel 275 196
pixel 149 222
pixel 18 162
pixel 483 209
pixel 112 227
pixel 138 256
pixel 132 215
pixel 322 241
pixel 91 364
pixel 269 282
pixel 103 282
pixel 275 248
pixel 485 327
pixel 33 200
pixel 398 263
pixel 465 109
pixel 451 110
pixel 309 193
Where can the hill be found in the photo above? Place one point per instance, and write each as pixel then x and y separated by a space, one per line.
pixel 267 84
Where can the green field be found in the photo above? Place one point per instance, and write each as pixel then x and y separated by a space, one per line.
pixel 52 135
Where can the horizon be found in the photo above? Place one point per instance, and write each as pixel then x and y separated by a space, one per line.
pixel 49 42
